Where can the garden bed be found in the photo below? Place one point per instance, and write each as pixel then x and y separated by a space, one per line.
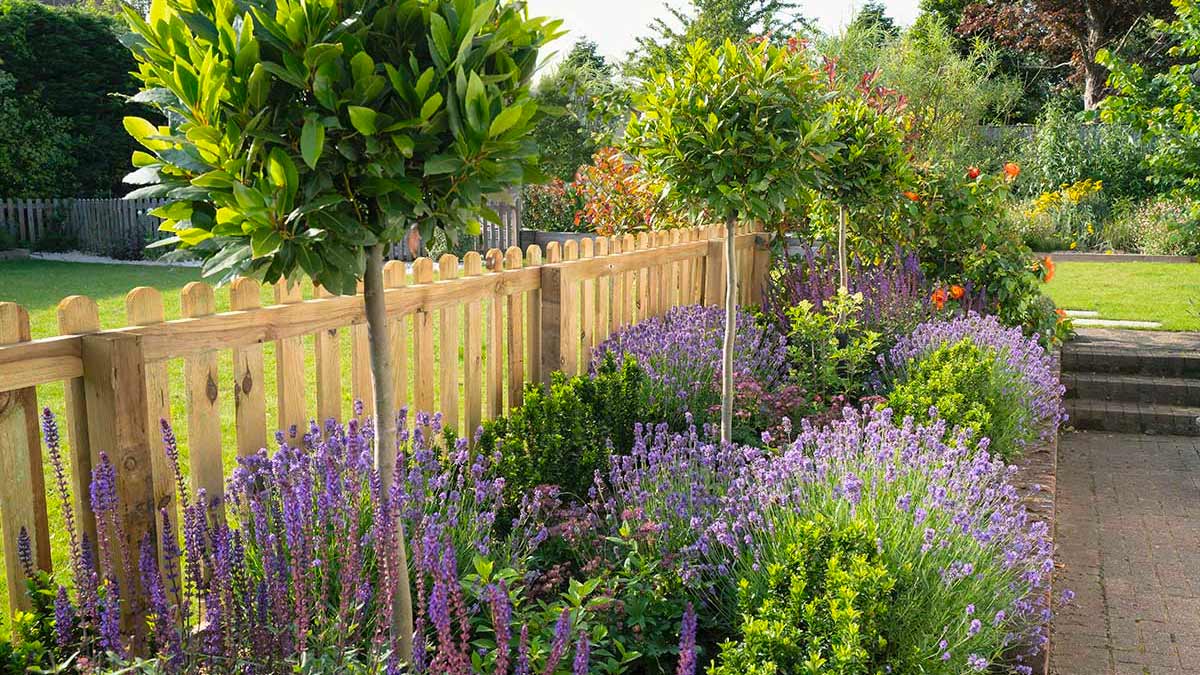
pixel 1077 256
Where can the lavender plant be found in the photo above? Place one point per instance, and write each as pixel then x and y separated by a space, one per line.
pixel 971 568
pixel 681 354
pixel 1026 381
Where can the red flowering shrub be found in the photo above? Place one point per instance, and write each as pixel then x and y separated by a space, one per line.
pixel 618 197
pixel 551 207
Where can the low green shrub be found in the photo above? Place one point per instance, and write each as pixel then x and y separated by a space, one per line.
pixel 830 350
pixel 820 607
pixel 969 388
pixel 562 434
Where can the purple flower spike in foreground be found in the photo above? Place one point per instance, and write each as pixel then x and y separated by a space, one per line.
pixel 687 643
pixel 582 655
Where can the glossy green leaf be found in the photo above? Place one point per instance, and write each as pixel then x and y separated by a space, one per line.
pixel 312 142
pixel 363 119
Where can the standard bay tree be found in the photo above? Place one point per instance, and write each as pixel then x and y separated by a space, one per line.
pixel 736 129
pixel 304 137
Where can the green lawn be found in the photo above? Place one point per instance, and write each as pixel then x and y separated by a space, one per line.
pixel 40 285
pixel 1165 292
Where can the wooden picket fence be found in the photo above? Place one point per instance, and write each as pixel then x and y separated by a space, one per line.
pixel 102 226
pixel 514 316
pixel 121 227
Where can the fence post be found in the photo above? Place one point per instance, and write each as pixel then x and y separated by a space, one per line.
pixel 762 266
pixel 22 484
pixel 560 344
pixel 114 379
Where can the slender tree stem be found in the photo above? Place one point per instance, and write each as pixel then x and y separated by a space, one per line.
pixel 385 433
pixel 731 281
pixel 843 271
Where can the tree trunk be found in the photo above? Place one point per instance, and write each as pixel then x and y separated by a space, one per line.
pixel 843 270
pixel 730 329
pixel 1094 76
pixel 382 375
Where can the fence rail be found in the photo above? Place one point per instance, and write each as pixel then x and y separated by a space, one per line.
pixel 465 343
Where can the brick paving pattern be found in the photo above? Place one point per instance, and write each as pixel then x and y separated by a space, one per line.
pixel 1128 545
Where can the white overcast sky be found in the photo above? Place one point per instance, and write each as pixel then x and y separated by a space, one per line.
pixel 614 24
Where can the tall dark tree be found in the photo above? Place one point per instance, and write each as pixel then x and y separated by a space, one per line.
pixel 873 17
pixel 70 64
pixel 714 21
pixel 1064 33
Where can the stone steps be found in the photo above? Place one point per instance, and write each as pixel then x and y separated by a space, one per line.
pixel 1133 417
pixel 1133 382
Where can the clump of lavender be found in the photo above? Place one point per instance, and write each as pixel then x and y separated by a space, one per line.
pixel 681 353
pixel 975 567
pixel 690 501
pixel 1037 391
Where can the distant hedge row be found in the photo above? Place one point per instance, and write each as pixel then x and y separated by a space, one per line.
pixel 63 72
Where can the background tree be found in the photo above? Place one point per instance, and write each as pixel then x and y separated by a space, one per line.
pixel 305 137
pixel 1163 108
pixel 575 91
pixel 1064 33
pixel 870 166
pixel 36 146
pixel 739 130
pixel 714 21
pixel 873 18
pixel 69 65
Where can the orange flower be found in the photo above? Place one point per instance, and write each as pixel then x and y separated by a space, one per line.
pixel 1048 265
pixel 957 292
pixel 1062 314
pixel 1012 170
pixel 973 173
pixel 912 196
pixel 938 298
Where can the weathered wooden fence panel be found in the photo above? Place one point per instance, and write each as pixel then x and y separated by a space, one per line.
pixel 503 319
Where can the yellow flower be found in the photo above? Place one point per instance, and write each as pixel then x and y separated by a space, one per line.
pixel 1074 244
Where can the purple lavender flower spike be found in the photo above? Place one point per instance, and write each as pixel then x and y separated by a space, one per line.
pixel 501 625
pixel 558 648
pixel 64 619
pixel 523 652
pixel 687 643
pixel 582 655
pixel 25 552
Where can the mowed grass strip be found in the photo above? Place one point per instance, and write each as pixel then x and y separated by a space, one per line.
pixel 39 286
pixel 1168 293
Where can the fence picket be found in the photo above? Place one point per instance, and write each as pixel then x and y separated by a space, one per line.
pixel 203 397
pixel 291 401
pixel 448 324
pixel 473 349
pixel 23 487
pixel 516 334
pixel 327 352
pixel 423 342
pixel 533 319
pixel 395 275
pixel 495 341
pixel 78 314
pixel 360 365
pixel 249 389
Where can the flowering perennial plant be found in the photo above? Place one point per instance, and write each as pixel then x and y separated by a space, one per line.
pixel 681 354
pixel 302 571
pixel 971 567
pixel 1035 385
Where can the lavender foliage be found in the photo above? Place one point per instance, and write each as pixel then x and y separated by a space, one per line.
pixel 681 353
pixel 1037 391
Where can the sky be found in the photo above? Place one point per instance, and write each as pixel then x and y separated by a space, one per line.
pixel 614 24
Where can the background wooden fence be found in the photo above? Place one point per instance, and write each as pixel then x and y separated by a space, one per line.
pixel 122 227
pixel 465 343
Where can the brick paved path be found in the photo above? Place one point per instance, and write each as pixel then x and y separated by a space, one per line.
pixel 1128 540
